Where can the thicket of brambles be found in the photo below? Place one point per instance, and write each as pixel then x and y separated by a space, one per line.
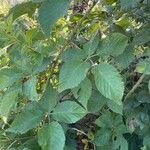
pixel 75 74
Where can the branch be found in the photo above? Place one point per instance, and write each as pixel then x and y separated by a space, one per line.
pixel 134 87
pixel 75 30
pixel 80 22
pixel 54 63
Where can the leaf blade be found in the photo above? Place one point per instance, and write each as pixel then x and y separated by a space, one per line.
pixel 50 12
pixel 51 137
pixel 29 89
pixel 49 98
pixel 84 91
pixel 68 112
pixel 109 82
pixel 72 73
pixel 8 76
pixel 9 100
pixel 27 119
pixel 113 44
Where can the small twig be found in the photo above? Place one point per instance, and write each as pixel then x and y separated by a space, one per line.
pixel 79 131
pixel 94 55
pixel 80 22
pixel 92 63
pixel 11 145
pixel 75 29
pixel 134 87
pixel 70 38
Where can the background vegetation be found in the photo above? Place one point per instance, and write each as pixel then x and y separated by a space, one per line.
pixel 74 74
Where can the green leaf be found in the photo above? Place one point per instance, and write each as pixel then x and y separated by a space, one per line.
pixel 105 147
pixel 70 143
pixel 68 112
pixel 30 144
pixel 143 96
pixel 102 137
pixel 84 91
pixel 29 118
pixel 26 61
pixel 103 120
pixel 9 100
pixel 29 89
pixel 113 44
pixel 73 54
pixel 138 38
pixel 72 73
pixel 124 22
pixel 146 141
pixel 118 122
pixel 8 76
pixel 37 1
pixel 23 8
pixel 96 101
pixel 50 12
pixel 143 66
pixel 121 143
pixel 126 4
pixel 149 86
pixel 92 45
pixel 126 57
pixel 49 98
pixel 108 2
pixel 34 35
pixel 120 128
pixel 109 82
pixel 113 122
pixel 51 137
pixel 115 107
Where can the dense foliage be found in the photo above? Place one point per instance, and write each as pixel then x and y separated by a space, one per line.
pixel 75 74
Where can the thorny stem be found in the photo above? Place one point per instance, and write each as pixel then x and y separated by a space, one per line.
pixel 134 87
